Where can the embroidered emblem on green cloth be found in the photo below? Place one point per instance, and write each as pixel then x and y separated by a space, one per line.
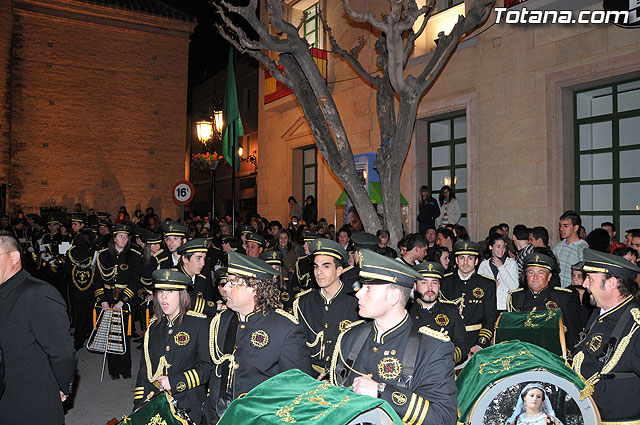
pixel 533 318
pixel 157 420
pixel 308 397
pixel 504 363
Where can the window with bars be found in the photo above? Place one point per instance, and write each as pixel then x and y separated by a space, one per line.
pixel 607 155
pixel 447 139
pixel 310 27
pixel 309 172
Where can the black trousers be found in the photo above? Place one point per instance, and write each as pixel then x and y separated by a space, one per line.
pixel 83 302
pixel 120 364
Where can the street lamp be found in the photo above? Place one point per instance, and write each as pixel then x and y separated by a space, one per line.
pixel 206 131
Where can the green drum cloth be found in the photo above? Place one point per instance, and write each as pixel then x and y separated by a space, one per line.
pixel 295 397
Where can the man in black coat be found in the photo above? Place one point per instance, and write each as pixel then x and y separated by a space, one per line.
pixel 475 295
pixel 439 315
pixel 40 361
pixel 608 354
pixel 408 365
pixel 540 296
pixel 327 311
pixel 252 340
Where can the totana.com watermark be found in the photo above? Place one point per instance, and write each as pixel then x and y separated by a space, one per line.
pixel 525 16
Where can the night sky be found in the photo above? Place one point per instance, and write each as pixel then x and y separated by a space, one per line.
pixel 207 51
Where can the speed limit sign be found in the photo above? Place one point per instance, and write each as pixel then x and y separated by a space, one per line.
pixel 182 192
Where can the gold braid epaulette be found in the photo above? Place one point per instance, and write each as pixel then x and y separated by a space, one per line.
pixel 196 314
pixel 287 315
pixel 106 275
pixel 425 330
pixel 306 291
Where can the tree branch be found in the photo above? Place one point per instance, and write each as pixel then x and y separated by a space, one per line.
pixel 269 63
pixel 478 13
pixel 351 57
pixel 367 16
pixel 410 44
pixel 248 13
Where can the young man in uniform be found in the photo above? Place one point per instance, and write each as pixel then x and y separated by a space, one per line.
pixel 474 294
pixel 436 314
pixel 391 357
pixel 252 339
pixel 193 258
pixel 328 310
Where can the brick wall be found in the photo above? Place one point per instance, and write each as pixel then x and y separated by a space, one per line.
pixel 5 93
pixel 99 108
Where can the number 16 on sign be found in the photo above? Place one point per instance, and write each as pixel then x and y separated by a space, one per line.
pixel 182 194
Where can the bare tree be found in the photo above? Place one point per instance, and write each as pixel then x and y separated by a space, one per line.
pixel 397 93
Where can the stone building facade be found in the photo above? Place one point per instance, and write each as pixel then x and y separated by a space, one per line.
pixel 94 103
pixel 525 122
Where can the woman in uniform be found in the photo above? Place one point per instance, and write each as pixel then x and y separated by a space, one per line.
pixel 176 346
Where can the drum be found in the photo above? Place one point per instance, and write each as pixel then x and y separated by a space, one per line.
pixel 492 387
pixel 160 409
pixel 542 328
pixel 295 397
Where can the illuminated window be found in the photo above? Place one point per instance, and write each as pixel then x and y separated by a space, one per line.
pixel 309 172
pixel 607 147
pixel 448 158
pixel 310 26
pixel 447 4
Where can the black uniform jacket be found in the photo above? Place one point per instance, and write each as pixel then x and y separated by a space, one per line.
pixel 349 278
pixel 39 357
pixel 550 298
pixel 119 272
pixel 185 347
pixel 476 300
pixel 431 395
pixel 79 265
pixel 203 299
pixel 444 317
pixel 267 342
pixel 616 393
pixel 303 277
pixel 323 320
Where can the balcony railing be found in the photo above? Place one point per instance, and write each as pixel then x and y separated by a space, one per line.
pixel 274 89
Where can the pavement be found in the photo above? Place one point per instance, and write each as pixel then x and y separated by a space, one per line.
pixel 95 402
